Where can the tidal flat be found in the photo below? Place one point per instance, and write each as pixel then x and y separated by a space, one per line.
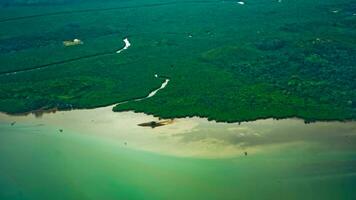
pixel 100 154
pixel 246 99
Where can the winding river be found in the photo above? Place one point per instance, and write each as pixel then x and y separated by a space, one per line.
pixel 127 45
pixel 67 154
pixel 101 154
pixel 45 66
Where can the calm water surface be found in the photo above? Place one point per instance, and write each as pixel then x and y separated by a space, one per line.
pixel 104 155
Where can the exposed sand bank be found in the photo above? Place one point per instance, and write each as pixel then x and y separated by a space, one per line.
pixel 195 137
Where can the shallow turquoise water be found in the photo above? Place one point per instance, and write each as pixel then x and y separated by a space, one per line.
pixel 37 162
pixel 88 161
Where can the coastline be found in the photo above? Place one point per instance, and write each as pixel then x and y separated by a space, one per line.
pixel 187 137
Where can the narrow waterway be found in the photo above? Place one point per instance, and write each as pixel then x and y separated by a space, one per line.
pixel 127 44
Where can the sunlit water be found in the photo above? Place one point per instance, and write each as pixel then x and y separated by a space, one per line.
pixel 100 154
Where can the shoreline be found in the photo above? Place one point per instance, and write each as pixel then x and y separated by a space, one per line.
pixel 43 111
pixel 40 112
pixel 186 137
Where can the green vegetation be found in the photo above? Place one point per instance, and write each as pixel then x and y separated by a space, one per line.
pixel 226 61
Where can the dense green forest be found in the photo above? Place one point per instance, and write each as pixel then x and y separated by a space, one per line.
pixel 226 61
